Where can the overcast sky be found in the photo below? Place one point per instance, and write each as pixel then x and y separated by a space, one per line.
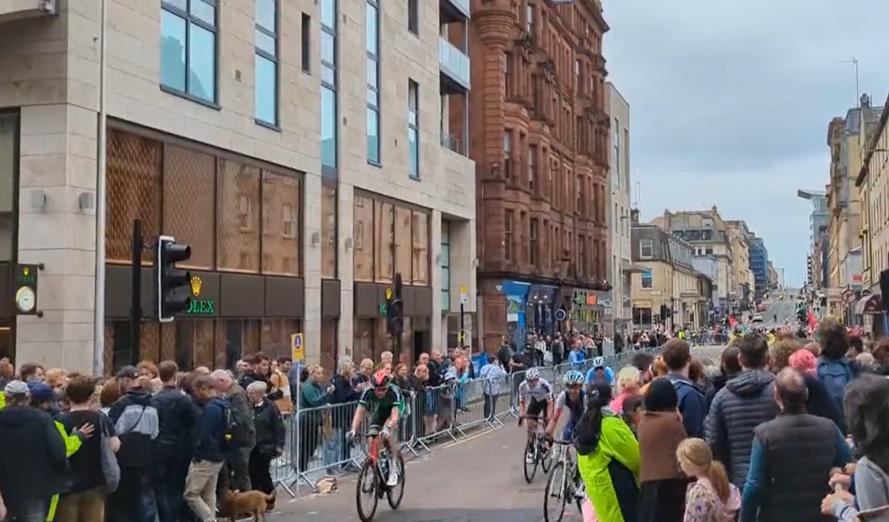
pixel 730 102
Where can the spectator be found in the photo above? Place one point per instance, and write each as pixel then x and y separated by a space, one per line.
pixel 387 358
pixel 558 349
pixel 436 368
pixel 504 354
pixel 269 437
pixel 57 379
pixel 729 367
pixel 697 373
pixel 643 361
pixel 746 402
pixel 608 459
pixel 627 385
pixel 660 431
pixel 834 369
pixel 813 347
pixel 252 370
pixel 779 354
pixel 177 417
pixel 633 408
pixel 819 403
pixel 540 348
pixel 867 410
pixel 401 379
pixel 33 463
pixel 711 497
pixel 344 394
pixel 136 423
pixel 31 372
pixel 866 362
pixel 109 394
pixel 881 356
pixel 576 356
pixel 422 359
pixel 419 382
pixel 126 377
pixel 791 459
pixel 236 472
pixel 209 452
pixel 280 380
pixel 492 375
pixel 149 370
pixel 84 498
pixel 677 358
pixel 313 395
pixel 361 380
pixel 7 373
pixel 856 347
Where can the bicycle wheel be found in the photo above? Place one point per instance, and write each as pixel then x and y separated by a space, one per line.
pixel 555 495
pixel 530 467
pixel 396 493
pixel 366 491
pixel 546 459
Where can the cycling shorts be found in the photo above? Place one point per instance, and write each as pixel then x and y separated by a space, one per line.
pixel 536 408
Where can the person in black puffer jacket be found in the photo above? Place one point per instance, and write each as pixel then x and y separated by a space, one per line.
pixel 269 437
pixel 177 416
pixel 747 401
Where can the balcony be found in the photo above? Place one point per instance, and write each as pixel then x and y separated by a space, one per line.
pixel 18 9
pixel 454 64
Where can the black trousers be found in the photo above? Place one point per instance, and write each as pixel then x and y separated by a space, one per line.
pixel 168 482
pixel 260 471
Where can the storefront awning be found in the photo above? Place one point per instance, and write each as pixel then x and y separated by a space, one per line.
pixel 869 304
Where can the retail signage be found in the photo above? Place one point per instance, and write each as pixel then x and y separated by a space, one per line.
pixel 199 306
pixel 297 349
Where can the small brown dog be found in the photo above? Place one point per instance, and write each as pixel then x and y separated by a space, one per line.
pixel 236 504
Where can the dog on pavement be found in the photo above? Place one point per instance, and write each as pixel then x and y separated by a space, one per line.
pixel 236 504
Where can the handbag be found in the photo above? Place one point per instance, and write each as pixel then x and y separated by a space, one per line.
pixel 108 461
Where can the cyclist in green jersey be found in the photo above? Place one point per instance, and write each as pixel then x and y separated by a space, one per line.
pixel 385 404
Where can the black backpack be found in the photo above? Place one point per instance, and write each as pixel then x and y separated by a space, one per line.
pixel 238 430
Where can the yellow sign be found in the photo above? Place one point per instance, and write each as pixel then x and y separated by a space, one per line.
pixel 196 284
pixel 389 293
pixel 297 350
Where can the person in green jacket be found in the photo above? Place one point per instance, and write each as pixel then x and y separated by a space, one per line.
pixel 313 394
pixel 608 459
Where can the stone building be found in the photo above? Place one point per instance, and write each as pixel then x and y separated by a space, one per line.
pixel 540 137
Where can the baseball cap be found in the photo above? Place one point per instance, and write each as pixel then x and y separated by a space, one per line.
pixel 42 392
pixel 128 372
pixel 16 388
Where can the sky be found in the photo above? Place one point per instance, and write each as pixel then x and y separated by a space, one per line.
pixel 730 102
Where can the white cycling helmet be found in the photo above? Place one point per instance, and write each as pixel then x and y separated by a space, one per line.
pixel 598 362
pixel 573 377
pixel 532 373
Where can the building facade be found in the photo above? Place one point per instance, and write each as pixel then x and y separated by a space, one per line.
pixel 540 138
pixel 297 147
pixel 759 264
pixel 618 206
pixel 819 219
pixel 741 294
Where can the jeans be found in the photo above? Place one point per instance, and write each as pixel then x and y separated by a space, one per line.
pixel 200 489
pixel 490 406
pixel 29 511
pixel 168 481
pixel 134 499
pixel 85 506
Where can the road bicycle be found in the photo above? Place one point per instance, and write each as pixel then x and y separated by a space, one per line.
pixel 537 452
pixel 564 485
pixel 372 485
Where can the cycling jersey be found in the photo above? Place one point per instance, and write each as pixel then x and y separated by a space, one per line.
pixel 575 410
pixel 535 397
pixel 380 408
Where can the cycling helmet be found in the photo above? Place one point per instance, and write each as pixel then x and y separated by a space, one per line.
pixel 573 377
pixel 598 362
pixel 532 373
pixel 380 378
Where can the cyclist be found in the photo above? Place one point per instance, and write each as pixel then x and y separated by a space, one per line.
pixel 573 398
pixel 535 400
pixel 385 404
pixel 599 373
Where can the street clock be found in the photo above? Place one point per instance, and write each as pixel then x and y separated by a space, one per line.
pixel 25 281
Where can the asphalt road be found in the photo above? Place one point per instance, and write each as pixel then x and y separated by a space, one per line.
pixel 477 480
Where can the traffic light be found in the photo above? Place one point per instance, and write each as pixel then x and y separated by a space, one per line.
pixel 172 283
pixel 395 310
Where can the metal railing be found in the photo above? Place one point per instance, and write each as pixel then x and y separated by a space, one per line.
pixel 317 446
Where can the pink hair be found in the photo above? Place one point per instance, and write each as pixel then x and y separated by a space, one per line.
pixel 803 361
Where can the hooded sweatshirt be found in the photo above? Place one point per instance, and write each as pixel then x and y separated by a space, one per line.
pixel 871 494
pixel 746 402
pixel 34 461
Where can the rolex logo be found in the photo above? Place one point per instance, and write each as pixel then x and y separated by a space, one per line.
pixel 196 285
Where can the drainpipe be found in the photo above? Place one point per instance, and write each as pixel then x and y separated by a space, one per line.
pixel 99 305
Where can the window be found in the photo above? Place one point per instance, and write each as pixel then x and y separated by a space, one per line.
pixel 507 82
pixel 507 153
pixel 306 35
pixel 372 44
pixel 507 235
pixel 647 278
pixel 420 248
pixel 523 240
pixel 8 163
pixel 616 159
pixel 529 19
pixel 188 48
pixel 413 16
pixel 266 62
pixel 581 257
pixel 237 243
pixel 328 230
pixel 196 170
pixel 445 266
pixel 532 167
pixel 413 130
pixel 709 251
pixel 328 89
pixel 646 249
pixel 364 238
pixel 533 238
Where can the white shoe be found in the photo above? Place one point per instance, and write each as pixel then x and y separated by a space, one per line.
pixel 393 478
pixel 529 458
pixel 580 490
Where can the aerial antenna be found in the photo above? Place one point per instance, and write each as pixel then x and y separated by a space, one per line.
pixel 854 63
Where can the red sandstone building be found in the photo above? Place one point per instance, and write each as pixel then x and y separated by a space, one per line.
pixel 539 139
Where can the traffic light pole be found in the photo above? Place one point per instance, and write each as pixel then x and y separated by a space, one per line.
pixel 136 295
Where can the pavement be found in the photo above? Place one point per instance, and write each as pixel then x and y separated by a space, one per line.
pixel 475 480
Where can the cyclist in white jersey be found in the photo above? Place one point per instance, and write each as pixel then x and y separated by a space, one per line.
pixel 535 400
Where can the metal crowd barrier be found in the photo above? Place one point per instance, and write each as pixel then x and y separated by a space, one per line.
pixel 316 445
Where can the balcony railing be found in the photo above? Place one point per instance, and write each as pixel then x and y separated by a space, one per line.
pixel 453 62
pixel 17 9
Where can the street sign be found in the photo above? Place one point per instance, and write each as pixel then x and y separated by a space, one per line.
pixel 297 350
pixel 464 295
pixel 561 315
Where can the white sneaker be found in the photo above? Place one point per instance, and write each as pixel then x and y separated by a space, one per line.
pixel 529 457
pixel 393 478
pixel 580 490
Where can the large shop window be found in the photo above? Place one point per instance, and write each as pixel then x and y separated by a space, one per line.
pixel 275 336
pixel 188 48
pixel 8 163
pixel 235 217
pixel 390 238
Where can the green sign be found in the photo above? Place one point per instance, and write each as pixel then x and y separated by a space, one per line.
pixel 382 308
pixel 201 307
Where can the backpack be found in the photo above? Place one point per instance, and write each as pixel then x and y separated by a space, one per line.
pixel 238 430
pixel 835 375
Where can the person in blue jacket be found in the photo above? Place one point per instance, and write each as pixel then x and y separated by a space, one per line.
pixel 692 406
pixel 599 373
pixel 209 452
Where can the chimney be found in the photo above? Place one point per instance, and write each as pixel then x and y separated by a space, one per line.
pixel 865 101
pixel 634 216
